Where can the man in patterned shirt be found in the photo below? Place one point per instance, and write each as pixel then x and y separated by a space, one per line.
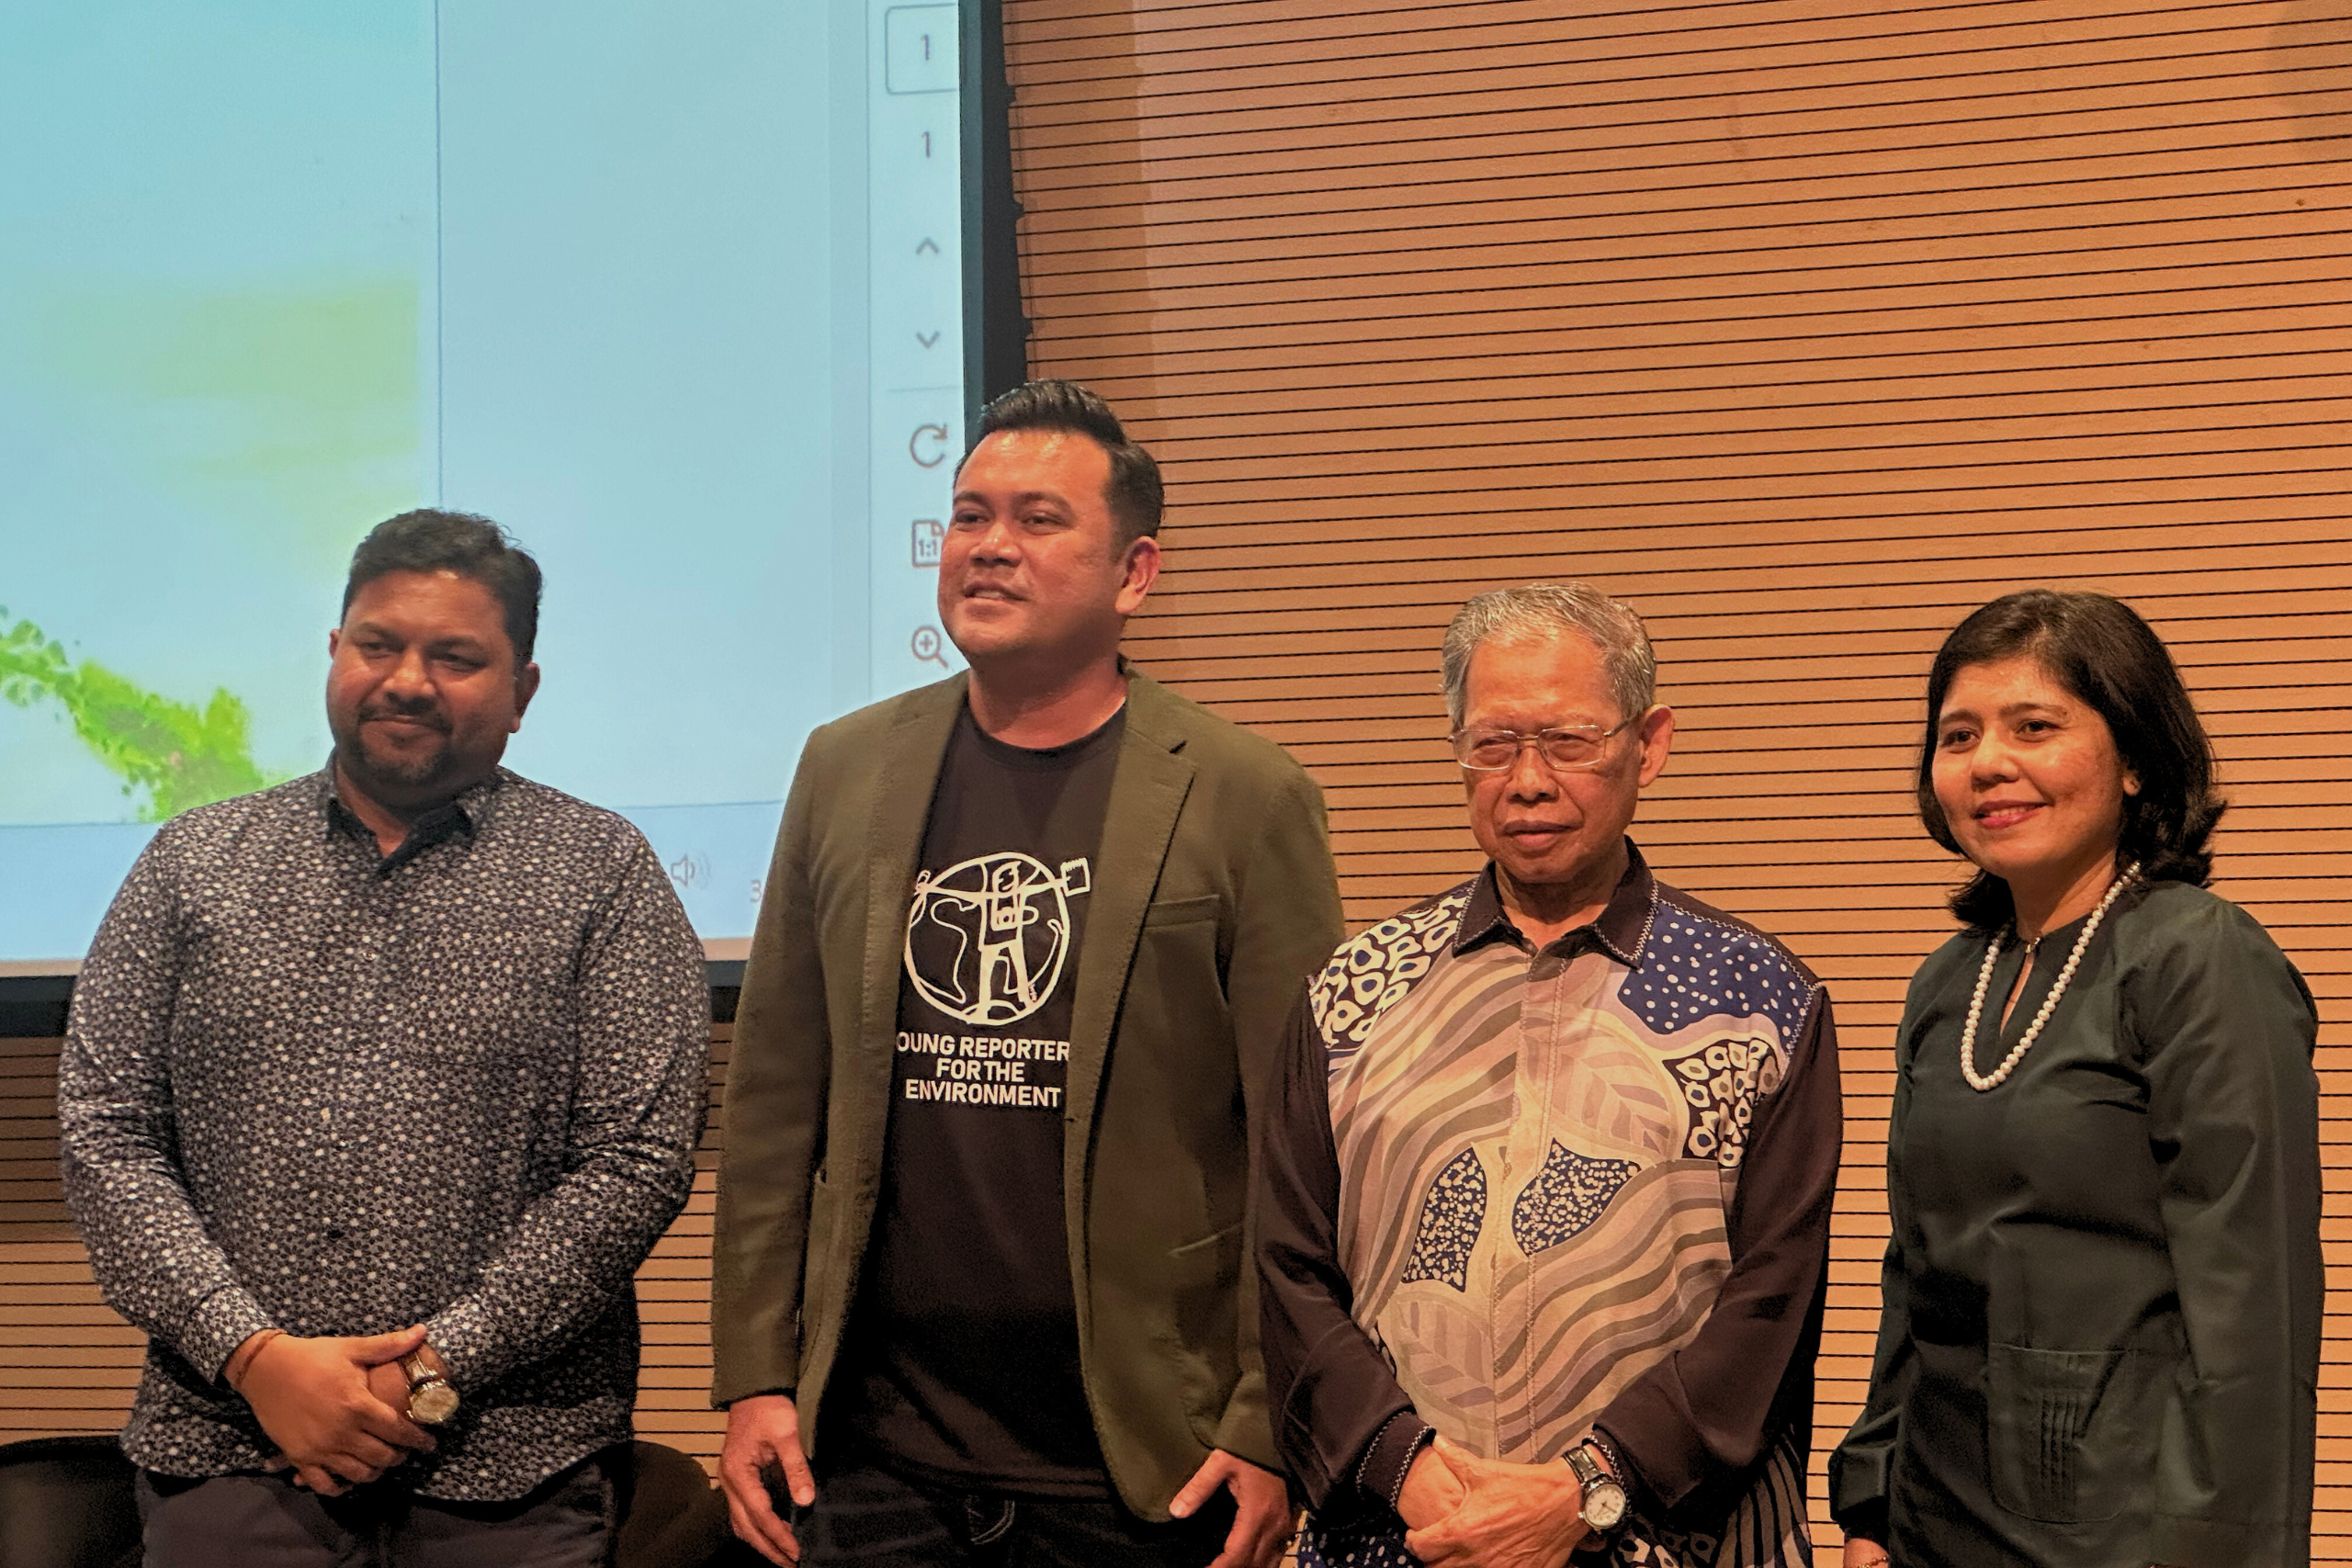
pixel 378 1087
pixel 1545 1191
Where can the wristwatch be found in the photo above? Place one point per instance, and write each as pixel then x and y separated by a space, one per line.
pixel 1604 1494
pixel 430 1398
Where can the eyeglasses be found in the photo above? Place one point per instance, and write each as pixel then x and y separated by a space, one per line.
pixel 1569 749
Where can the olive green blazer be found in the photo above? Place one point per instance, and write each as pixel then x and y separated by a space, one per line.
pixel 1213 895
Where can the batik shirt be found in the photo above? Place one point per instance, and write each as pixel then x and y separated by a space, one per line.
pixel 1517 1196
pixel 311 1087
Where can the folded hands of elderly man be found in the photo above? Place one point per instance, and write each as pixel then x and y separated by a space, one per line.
pixel 1462 1511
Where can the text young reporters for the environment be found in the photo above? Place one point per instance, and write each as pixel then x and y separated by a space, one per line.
pixel 1021 965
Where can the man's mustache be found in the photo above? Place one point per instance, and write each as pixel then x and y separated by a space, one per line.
pixel 425 716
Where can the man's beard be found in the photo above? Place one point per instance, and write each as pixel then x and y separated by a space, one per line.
pixel 411 771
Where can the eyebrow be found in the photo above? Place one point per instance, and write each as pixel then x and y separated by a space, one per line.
pixel 2002 712
pixel 1591 723
pixel 1025 497
pixel 377 629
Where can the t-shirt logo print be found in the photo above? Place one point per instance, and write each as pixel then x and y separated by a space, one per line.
pixel 987 937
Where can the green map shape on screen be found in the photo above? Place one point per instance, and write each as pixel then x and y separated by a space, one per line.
pixel 177 756
pixel 273 417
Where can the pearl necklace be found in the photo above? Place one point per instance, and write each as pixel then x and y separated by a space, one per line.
pixel 2050 1004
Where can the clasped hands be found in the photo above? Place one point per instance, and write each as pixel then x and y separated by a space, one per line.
pixel 1466 1512
pixel 337 1408
pixel 764 1457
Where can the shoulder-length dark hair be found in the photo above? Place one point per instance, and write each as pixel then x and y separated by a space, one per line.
pixel 2102 653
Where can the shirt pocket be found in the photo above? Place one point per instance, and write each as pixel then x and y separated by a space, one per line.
pixel 2073 1433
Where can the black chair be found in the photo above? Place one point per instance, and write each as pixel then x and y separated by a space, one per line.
pixel 67 1503
pixel 671 1516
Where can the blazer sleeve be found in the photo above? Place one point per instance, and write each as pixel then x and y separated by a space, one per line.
pixel 1345 1427
pixel 2227 1029
pixel 1287 924
pixel 776 1083
pixel 1713 1406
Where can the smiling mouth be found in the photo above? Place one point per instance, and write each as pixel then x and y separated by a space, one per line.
pixel 2007 814
pixel 404 721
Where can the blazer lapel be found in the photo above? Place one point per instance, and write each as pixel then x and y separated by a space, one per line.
pixel 905 775
pixel 1146 794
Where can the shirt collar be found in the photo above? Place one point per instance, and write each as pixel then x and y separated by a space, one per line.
pixel 462 816
pixel 1620 929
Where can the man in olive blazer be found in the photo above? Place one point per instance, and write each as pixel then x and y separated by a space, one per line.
pixel 1211 897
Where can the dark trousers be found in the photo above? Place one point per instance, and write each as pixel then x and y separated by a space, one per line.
pixel 867 1515
pixel 266 1521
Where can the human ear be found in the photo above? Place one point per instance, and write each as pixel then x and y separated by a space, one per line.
pixel 1656 730
pixel 526 686
pixel 1140 569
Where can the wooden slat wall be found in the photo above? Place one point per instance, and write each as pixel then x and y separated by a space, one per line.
pixel 1806 329
pixel 1806 332
pixel 674 1302
pixel 70 1364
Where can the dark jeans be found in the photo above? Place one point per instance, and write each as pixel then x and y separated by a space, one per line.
pixel 266 1521
pixel 867 1515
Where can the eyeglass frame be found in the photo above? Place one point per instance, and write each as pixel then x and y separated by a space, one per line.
pixel 1522 737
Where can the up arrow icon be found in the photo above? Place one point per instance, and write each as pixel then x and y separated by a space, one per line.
pixel 929 245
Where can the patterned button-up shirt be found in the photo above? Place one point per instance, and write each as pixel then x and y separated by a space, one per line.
pixel 311 1087
pixel 1518 1194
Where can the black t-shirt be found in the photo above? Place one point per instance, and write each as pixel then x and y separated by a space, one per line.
pixel 962 1363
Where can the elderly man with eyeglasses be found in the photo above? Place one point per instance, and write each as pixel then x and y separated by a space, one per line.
pixel 1544 1192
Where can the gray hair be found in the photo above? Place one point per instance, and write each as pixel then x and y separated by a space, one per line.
pixel 1541 611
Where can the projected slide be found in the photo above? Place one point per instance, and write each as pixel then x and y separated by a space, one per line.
pixel 673 292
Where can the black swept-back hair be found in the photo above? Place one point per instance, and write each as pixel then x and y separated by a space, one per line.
pixel 428 540
pixel 1133 493
pixel 2103 654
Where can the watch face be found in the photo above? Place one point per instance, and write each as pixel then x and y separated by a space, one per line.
pixel 1604 1496
pixel 433 1403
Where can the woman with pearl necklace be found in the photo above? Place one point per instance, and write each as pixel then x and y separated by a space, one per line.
pixel 2099 1340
